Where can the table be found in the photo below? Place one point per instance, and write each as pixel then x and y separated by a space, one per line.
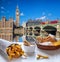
pixel 54 56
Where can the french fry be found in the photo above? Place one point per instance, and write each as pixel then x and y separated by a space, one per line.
pixel 11 49
pixel 38 57
pixel 14 51
pixel 26 43
pixel 41 56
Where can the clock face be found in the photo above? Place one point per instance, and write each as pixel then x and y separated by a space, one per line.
pixel 17 13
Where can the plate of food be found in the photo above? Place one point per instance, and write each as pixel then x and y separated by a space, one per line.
pixel 48 43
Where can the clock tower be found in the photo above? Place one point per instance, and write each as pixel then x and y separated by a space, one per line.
pixel 17 16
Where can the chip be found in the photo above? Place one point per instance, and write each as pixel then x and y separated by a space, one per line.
pixel 14 51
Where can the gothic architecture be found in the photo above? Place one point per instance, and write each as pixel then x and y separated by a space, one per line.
pixel 17 13
pixel 6 29
pixel 9 29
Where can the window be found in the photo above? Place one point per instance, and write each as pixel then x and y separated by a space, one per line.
pixel 0 31
pixel 10 37
pixel 0 36
pixel 3 24
pixel 11 24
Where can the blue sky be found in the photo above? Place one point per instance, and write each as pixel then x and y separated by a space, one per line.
pixel 30 9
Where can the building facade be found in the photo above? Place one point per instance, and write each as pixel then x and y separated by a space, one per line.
pixel 9 29
pixel 6 29
pixel 35 27
pixel 32 27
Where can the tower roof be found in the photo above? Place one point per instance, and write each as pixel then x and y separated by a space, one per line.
pixel 17 9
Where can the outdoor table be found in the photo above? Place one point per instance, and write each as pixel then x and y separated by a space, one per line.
pixel 54 56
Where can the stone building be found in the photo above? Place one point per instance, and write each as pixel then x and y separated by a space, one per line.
pixel 32 27
pixel 9 29
pixel 35 27
pixel 6 29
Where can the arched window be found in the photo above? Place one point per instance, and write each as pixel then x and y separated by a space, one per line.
pixel 37 31
pixel 31 28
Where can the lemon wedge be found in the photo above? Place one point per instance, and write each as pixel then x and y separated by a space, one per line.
pixel 56 43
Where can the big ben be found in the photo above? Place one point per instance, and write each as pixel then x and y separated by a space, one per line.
pixel 17 21
pixel 17 16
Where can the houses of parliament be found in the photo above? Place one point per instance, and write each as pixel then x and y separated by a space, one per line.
pixel 9 28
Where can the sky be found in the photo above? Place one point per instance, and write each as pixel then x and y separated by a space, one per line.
pixel 30 9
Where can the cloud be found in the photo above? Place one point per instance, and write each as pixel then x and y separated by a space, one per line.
pixel 41 18
pixel 22 14
pixel 24 24
pixel 2 7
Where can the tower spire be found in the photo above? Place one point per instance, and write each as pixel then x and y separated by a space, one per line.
pixel 17 16
pixel 17 9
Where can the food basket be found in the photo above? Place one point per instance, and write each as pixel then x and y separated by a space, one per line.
pixel 46 47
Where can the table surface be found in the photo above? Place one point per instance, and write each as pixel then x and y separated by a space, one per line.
pixel 54 56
